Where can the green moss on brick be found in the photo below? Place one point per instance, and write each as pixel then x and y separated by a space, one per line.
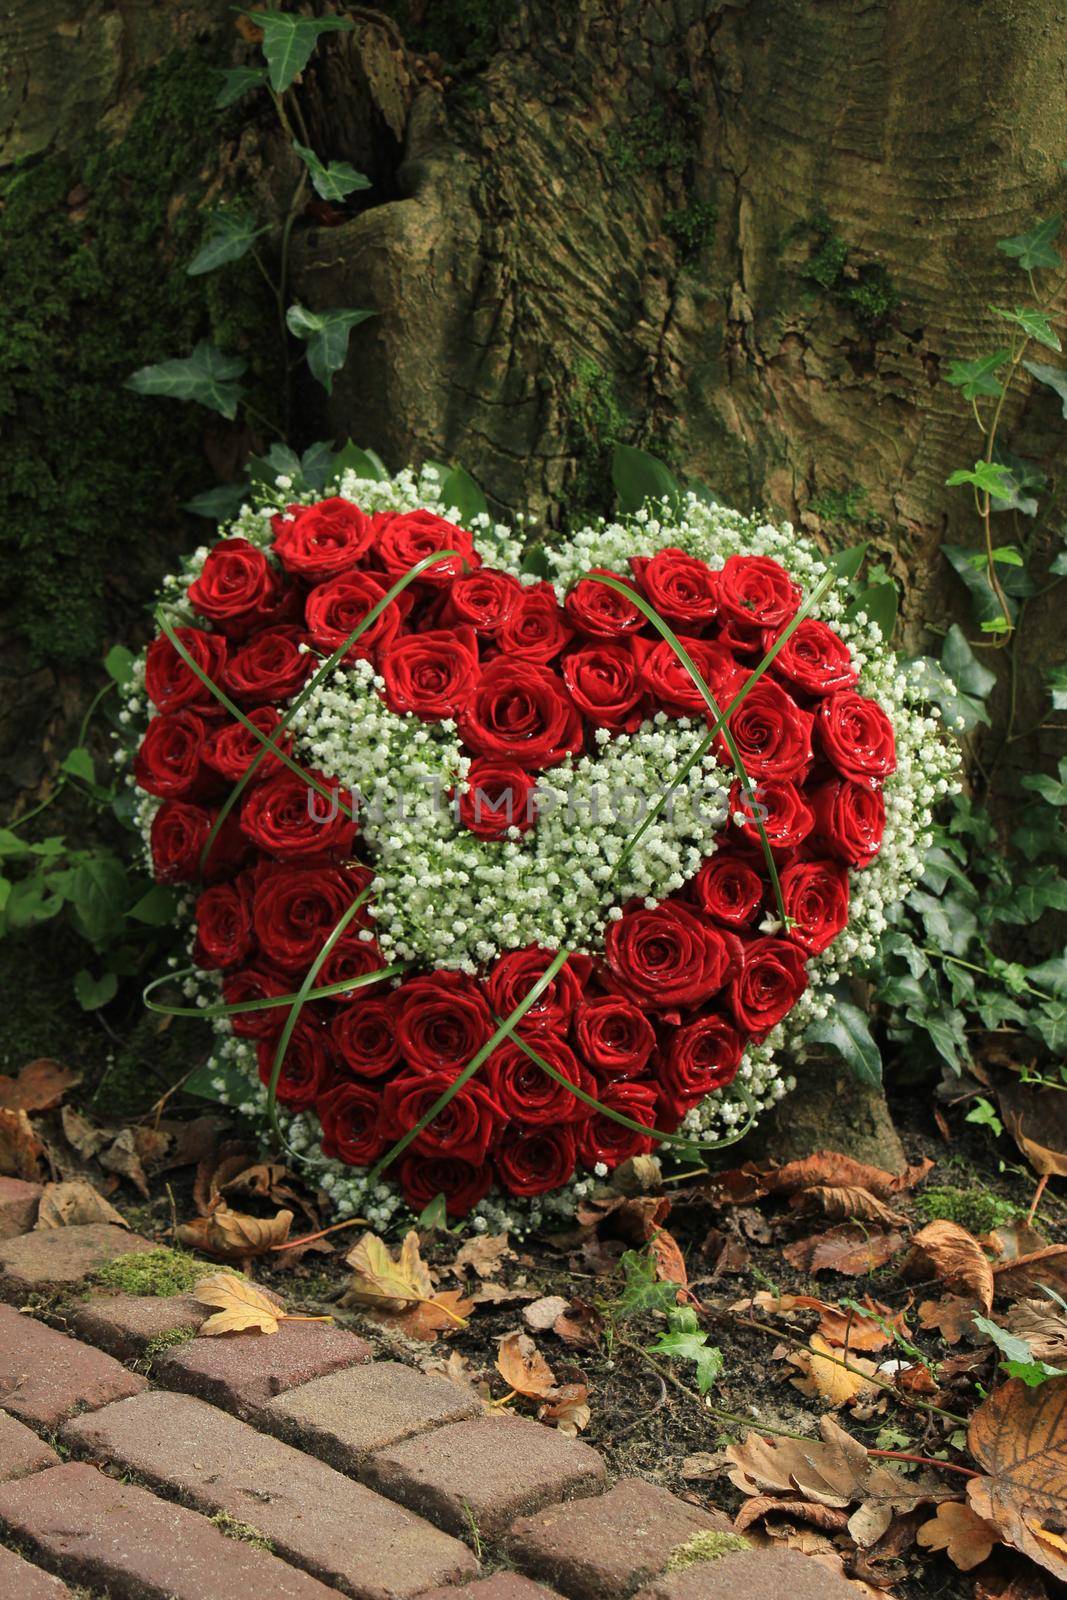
pixel 153 1272
pixel 974 1209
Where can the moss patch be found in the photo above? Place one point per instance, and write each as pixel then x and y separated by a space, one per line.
pixel 597 421
pixel 866 289
pixel 152 1272
pixel 707 1546
pixel 241 1530
pixel 974 1209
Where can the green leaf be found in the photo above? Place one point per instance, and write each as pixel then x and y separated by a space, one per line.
pixel 11 846
pixel 879 602
pixel 977 378
pixel 535 560
pixel 639 477
pixel 236 82
pixel 1034 250
pixel 1035 325
pixel 97 892
pixel 326 333
pixel 230 236
pixel 288 42
pixel 935 684
pixel 460 490
pixel 34 899
pixel 1058 569
pixel 988 477
pixel 207 376
pixel 364 463
pixel 79 764
pixel 118 664
pixel 986 606
pixel 1024 482
pixel 1051 975
pixel 1050 1021
pixel 985 1116
pixel 434 1217
pixel 1054 378
pixel 643 1291
pixel 92 993
pixel 1054 790
pixel 279 461
pixel 686 1341
pixel 333 180
pixel 1019 1358
pixel 220 504
pixel 847 562
pixel 158 908
pixel 845 1030
pixel 963 666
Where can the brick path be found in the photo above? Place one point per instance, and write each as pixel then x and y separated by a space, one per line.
pixel 294 1467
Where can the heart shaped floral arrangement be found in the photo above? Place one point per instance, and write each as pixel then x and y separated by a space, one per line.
pixel 498 878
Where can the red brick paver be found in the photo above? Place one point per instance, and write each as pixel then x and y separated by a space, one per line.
pixel 124 1324
pixel 345 1416
pixel 243 1371
pixel 60 1257
pixel 608 1546
pixel 46 1376
pixel 118 1537
pixel 21 1451
pixel 501 1586
pixel 18 1206
pixel 336 1529
pixel 753 1575
pixel 20 1580
pixel 483 1474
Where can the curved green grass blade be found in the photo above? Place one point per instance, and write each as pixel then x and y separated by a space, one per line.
pixel 268 1003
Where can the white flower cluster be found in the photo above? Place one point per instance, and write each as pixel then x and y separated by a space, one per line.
pixel 444 898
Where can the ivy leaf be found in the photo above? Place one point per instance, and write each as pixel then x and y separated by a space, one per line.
pixel 460 490
pixel 118 664
pixel 643 1290
pixel 1024 482
pixel 638 477
pixel 92 993
pixel 1019 1358
pixel 987 609
pixel 220 504
pixel 1054 378
pixel 1035 325
pixel 207 376
pixel 1057 682
pixel 1050 1021
pixel 845 1030
pixel 1034 250
pixel 1051 974
pixel 97 892
pixel 687 1341
pixel 977 378
pixel 364 463
pixel 79 764
pixel 332 180
pixel 963 666
pixel 230 236
pixel 326 334
pixel 1054 790
pixel 988 477
pixel 236 82
pixel 157 908
pixel 288 42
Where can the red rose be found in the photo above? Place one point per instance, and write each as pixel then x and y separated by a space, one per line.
pixel 814 658
pixel 270 667
pixel 305 1070
pixel 179 834
pixel 849 820
pixel 349 1113
pixel 290 820
pixel 614 1036
pixel 526 1094
pixel 431 674
pixel 666 958
pixel 602 1139
pixel 464 1128
pixel 483 600
pixel 461 1183
pixel 236 586
pixel 254 984
pixel 168 763
pixel 770 982
pixel 598 609
pixel 704 1056
pixel 815 896
pixel 754 593
pixel 603 683
pixel 787 820
pixel 224 936
pixel 335 609
pixel 351 957
pixel 443 1021
pixel 231 749
pixel 296 909
pixel 521 712
pixel 670 685
pixel 514 975
pixel 316 542
pixel 169 683
pixel 537 629
pixel 772 734
pixel 729 889
pixel 535 1161
pixel 681 588
pixel 857 736
pixel 364 1034
pixel 496 797
pixel 407 537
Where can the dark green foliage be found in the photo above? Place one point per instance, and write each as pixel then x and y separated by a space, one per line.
pixel 463 33
pixel 866 290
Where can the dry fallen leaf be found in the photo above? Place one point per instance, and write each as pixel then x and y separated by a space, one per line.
pixel 945 1250
pixel 543 1314
pixel 485 1254
pixel 231 1236
pixel 523 1367
pixel 20 1149
pixel 830 1518
pixel 953 1316
pixel 244 1307
pixel 851 1249
pixel 39 1086
pixel 1027 1273
pixel 1018 1436
pixel 580 1324
pixel 70 1204
pixel 80 1134
pixel 1037 1121
pixel 962 1533
pixel 843 1327
pixel 668 1259
pixel 826 1377
pixel 400 1292
pixel 568 1407
pixel 124 1157
pixel 1043 1324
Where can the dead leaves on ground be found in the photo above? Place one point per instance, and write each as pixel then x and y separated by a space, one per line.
pixel 1019 1437
pixel 399 1291
pixel 232 1236
pixel 73 1203
pixel 40 1086
pixel 966 1538
pixel 527 1373
pixel 243 1307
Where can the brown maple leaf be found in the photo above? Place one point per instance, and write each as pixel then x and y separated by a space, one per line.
pixel 966 1537
pixel 945 1250
pixel 399 1291
pixel 40 1086
pixel 851 1249
pixel 1018 1436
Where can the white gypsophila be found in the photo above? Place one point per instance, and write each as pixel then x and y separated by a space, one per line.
pixel 444 898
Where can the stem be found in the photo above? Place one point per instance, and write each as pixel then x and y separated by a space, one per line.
pixel 309 1238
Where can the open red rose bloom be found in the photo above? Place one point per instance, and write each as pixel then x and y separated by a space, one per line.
pixel 650 1024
